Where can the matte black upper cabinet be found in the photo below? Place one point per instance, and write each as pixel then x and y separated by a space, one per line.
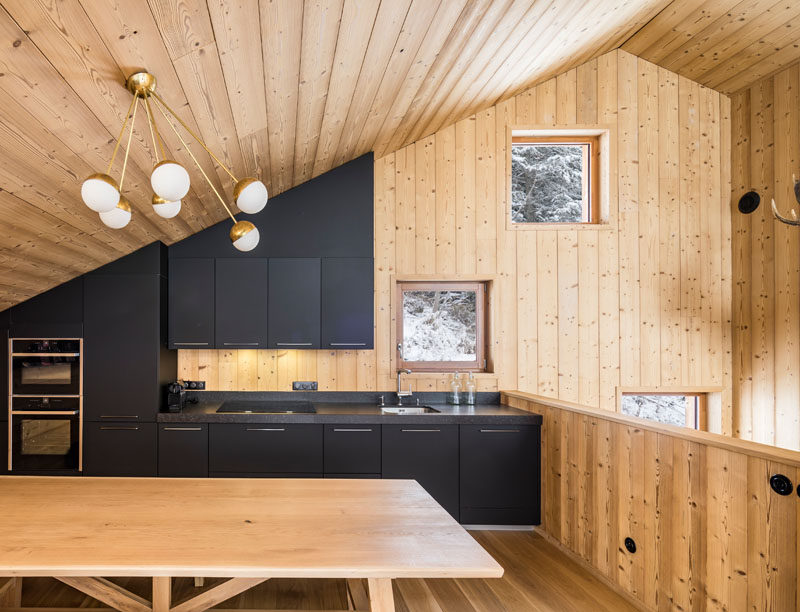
pixel 294 303
pixel 191 303
pixel 57 313
pixel 241 303
pixel 125 360
pixel 347 303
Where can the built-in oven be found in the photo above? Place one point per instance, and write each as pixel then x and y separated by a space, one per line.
pixel 44 435
pixel 41 367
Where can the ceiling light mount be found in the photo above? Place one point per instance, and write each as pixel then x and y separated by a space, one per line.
pixel 141 83
pixel 169 179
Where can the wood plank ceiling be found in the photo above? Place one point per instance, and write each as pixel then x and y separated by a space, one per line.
pixel 724 44
pixel 287 89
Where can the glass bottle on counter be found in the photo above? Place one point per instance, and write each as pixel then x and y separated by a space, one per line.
pixel 453 396
pixel 470 390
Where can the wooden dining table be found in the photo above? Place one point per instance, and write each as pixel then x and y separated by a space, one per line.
pixel 83 531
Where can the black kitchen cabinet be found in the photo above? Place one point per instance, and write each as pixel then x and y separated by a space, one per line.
pixel 4 350
pixel 500 476
pixel 294 303
pixel 375 476
pixel 240 303
pixel 183 450
pixel 57 313
pixel 120 449
pixel 352 449
pixel 4 449
pixel 191 303
pixel 264 448
pixel 427 454
pixel 125 360
pixel 348 306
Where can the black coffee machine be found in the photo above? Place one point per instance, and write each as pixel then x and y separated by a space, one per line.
pixel 176 396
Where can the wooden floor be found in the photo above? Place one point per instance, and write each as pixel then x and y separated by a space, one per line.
pixel 538 577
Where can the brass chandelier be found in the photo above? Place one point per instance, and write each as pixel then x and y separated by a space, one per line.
pixel 169 180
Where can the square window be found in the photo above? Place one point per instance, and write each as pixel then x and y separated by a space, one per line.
pixel 671 408
pixel 554 179
pixel 441 326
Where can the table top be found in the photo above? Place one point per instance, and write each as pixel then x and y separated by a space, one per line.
pixel 242 527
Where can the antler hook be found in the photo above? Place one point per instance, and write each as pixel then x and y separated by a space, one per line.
pixel 792 221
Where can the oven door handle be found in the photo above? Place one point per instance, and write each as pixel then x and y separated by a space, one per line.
pixel 45 412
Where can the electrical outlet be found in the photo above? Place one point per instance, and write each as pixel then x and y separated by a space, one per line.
pixel 195 385
pixel 304 385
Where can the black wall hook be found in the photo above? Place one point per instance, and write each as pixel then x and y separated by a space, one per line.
pixel 781 484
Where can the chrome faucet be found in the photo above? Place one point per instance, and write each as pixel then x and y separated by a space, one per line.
pixel 400 393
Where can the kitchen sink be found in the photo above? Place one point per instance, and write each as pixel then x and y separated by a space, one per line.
pixel 408 410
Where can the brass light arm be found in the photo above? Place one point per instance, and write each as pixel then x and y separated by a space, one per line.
pixel 151 121
pixel 119 138
pixel 128 146
pixel 199 167
pixel 195 136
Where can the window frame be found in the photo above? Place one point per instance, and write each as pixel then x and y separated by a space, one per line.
pixel 480 364
pixel 590 214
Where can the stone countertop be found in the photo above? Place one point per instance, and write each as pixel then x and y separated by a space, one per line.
pixel 359 413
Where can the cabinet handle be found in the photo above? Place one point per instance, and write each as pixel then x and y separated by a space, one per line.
pixel 183 429
pixel 266 429
pixel 426 430
pixel 352 429
pixel 240 343
pixel 499 430
pixel 191 343
pixel 119 416
pixel 44 412
pixel 348 344
pixel 119 429
pixel 293 343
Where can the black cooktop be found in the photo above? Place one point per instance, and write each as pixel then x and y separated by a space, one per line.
pixel 267 407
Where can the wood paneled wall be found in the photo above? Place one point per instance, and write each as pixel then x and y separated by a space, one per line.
pixel 643 301
pixel 766 262
pixel 710 533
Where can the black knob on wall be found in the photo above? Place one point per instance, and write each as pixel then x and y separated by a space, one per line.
pixel 781 484
pixel 630 545
pixel 749 202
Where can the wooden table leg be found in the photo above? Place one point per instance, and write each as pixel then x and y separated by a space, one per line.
pixel 10 592
pixel 381 598
pixel 162 593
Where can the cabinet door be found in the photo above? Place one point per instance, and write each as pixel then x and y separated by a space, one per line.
pixel 191 303
pixel 279 448
pixel 3 448
pixel 119 449
pixel 348 306
pixel 240 304
pixel 500 474
pixel 294 300
pixel 121 347
pixel 427 454
pixel 57 313
pixel 352 449
pixel 183 450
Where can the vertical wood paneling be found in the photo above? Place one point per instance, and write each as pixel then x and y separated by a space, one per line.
pixel 710 533
pixel 574 313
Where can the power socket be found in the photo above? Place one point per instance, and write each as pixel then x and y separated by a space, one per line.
pixel 308 385
pixel 194 385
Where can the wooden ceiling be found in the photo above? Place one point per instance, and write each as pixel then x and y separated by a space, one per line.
pixel 724 44
pixel 287 89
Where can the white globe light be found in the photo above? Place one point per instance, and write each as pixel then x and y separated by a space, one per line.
pixel 244 235
pixel 250 195
pixel 166 209
pixel 100 192
pixel 170 180
pixel 117 217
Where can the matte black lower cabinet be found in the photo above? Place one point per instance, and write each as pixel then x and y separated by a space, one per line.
pixel 183 450
pixel 427 454
pixel 265 448
pixel 120 449
pixel 352 449
pixel 500 475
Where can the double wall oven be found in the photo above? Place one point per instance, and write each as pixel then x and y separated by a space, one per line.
pixel 45 404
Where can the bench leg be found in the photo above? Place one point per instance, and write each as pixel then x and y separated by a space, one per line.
pixel 381 598
pixel 162 599
pixel 10 592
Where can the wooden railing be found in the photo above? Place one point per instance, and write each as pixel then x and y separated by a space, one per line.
pixel 709 531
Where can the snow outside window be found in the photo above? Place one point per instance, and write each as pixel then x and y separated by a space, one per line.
pixel 681 410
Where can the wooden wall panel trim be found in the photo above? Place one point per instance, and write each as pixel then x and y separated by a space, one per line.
pixel 710 533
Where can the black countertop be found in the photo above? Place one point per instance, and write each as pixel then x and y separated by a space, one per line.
pixel 359 413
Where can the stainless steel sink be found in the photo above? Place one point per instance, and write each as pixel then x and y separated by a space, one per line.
pixel 408 410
